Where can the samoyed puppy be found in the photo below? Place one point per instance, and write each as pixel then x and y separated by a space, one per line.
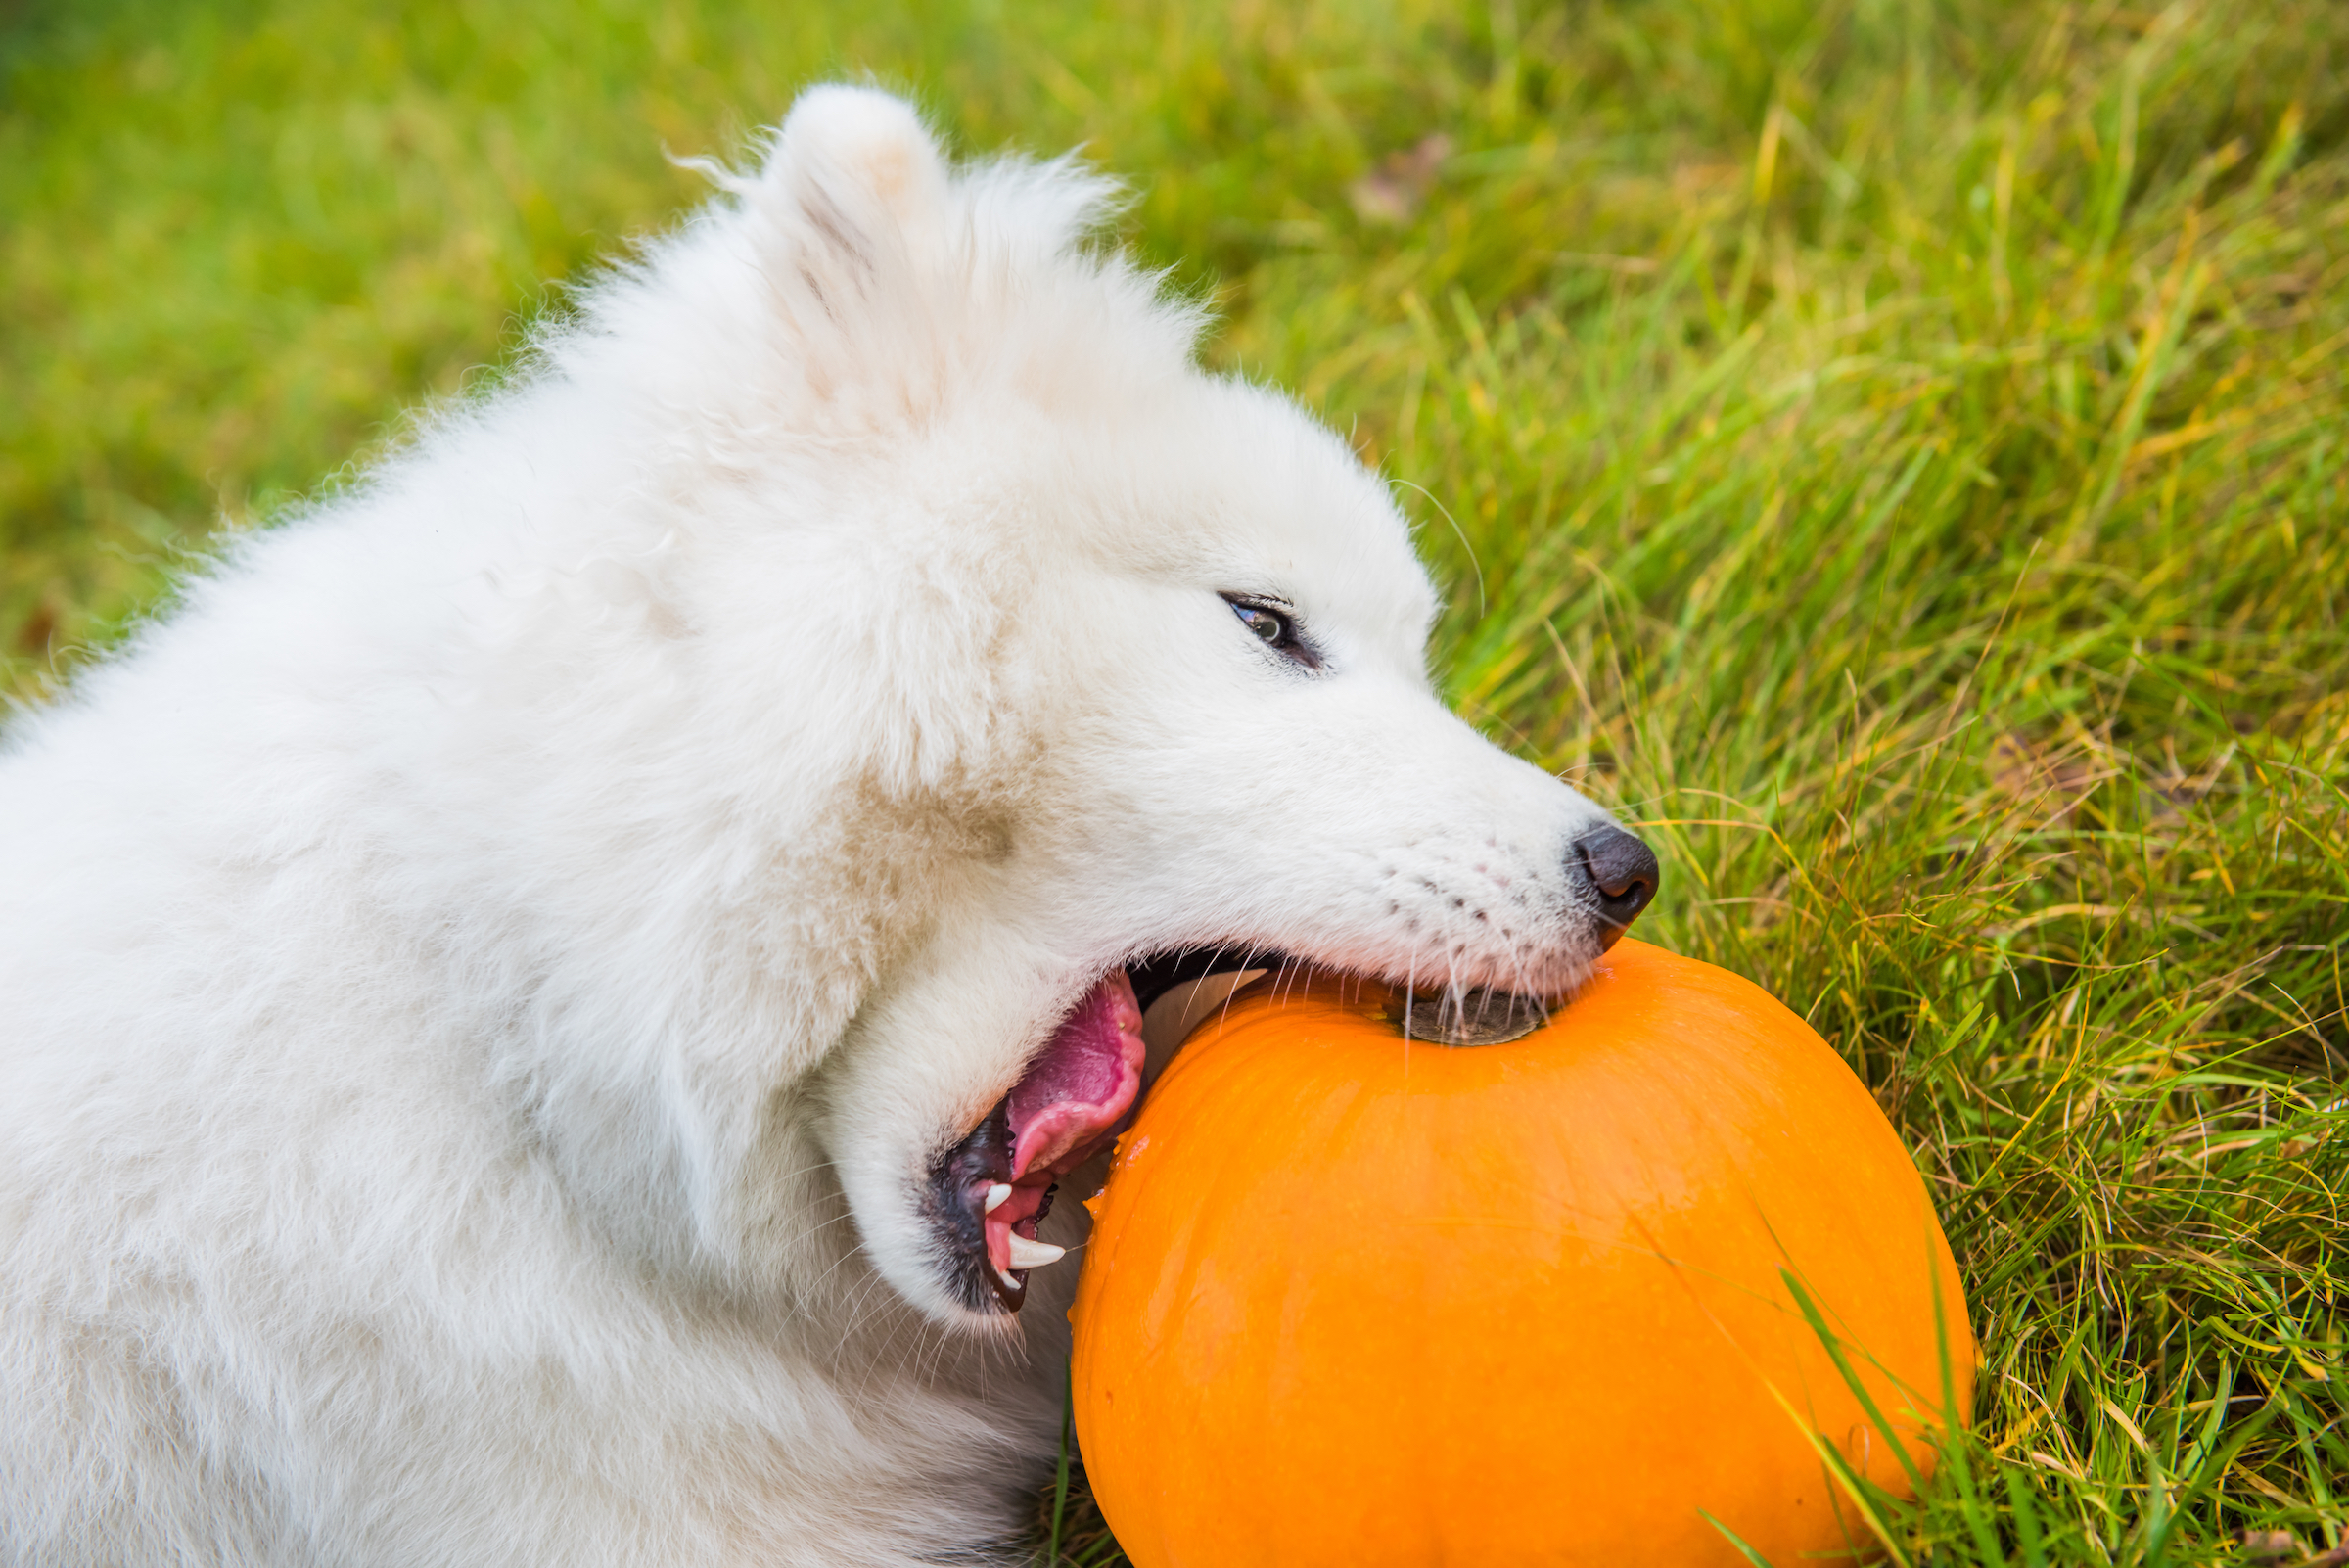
pixel 547 998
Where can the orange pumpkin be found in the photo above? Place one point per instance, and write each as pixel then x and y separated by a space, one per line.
pixel 1357 1300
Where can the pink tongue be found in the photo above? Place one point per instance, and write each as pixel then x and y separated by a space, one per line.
pixel 1085 1080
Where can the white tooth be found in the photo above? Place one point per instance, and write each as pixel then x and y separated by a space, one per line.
pixel 997 1194
pixel 1009 1283
pixel 1026 1253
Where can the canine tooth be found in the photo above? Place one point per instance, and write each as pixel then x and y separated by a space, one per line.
pixel 1026 1253
pixel 1009 1283
pixel 997 1194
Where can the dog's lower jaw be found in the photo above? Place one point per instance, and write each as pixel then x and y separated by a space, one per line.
pixel 987 1194
pixel 953 1203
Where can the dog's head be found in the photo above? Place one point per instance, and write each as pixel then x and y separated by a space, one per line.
pixel 1117 665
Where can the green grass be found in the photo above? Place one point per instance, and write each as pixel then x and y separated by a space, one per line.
pixel 1892 450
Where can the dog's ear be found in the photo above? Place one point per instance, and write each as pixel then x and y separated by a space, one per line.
pixel 891 271
pixel 852 214
pixel 853 176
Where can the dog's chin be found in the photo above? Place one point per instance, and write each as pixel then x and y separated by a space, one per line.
pixel 987 1194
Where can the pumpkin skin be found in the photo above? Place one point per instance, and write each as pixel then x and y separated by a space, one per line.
pixel 1363 1303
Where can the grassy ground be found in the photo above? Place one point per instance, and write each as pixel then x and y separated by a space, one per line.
pixel 1892 449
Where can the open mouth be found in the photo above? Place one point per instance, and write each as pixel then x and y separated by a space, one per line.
pixel 987 1193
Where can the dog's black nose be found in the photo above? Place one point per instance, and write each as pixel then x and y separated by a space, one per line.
pixel 1622 872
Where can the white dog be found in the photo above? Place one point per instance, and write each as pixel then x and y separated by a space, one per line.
pixel 544 1001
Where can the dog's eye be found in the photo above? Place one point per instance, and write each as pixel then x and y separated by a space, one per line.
pixel 1276 627
pixel 1269 624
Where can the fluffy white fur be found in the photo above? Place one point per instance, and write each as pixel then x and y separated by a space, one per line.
pixel 484 977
